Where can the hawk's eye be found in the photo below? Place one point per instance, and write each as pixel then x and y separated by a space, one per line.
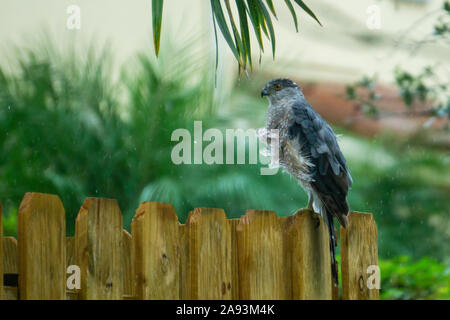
pixel 277 87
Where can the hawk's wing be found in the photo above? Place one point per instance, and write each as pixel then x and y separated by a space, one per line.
pixel 317 141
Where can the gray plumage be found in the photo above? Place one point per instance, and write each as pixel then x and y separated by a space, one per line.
pixel 309 151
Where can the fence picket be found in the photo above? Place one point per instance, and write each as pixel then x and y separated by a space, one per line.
pixel 234 259
pixel 1 254
pixel 207 258
pixel 70 260
pixel 259 256
pixel 10 267
pixel 98 249
pixel 311 262
pixel 260 251
pixel 359 250
pixel 41 247
pixel 127 265
pixel 156 252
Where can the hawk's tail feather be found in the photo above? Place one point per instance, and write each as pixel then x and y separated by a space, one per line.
pixel 332 237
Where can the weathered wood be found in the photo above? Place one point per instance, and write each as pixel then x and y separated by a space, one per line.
pixel 359 250
pixel 208 257
pixel 127 265
pixel 181 269
pixel 41 247
pixel 70 260
pixel 285 223
pixel 98 249
pixel 156 253
pixel 260 251
pixel 234 259
pixel 10 258
pixel 311 261
pixel 10 266
pixel 10 293
pixel 70 251
pixel 1 254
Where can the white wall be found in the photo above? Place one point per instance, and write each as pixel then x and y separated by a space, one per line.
pixel 334 52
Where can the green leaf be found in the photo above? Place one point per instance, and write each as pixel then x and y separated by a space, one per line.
pixel 271 7
pixel 307 10
pixel 447 6
pixel 245 32
pixel 292 10
pixel 220 20
pixel 269 26
pixel 254 18
pixel 157 11
pixel 237 38
pixel 217 46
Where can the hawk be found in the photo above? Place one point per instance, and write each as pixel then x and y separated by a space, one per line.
pixel 309 151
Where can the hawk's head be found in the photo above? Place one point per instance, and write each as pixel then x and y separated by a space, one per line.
pixel 278 89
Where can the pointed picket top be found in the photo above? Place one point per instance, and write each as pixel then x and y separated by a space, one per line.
pixel 359 253
pixel 41 247
pixel 310 256
pixel 207 257
pixel 256 215
pixel 98 242
pixel 156 253
pixel 260 255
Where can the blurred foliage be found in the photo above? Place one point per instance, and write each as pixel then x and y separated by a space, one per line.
pixel 417 91
pixel 71 130
pixel 442 25
pixel 424 94
pixel 260 13
pixel 403 279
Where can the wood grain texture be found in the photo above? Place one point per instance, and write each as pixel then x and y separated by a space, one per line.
pixel 10 266
pixel 98 249
pixel 156 252
pixel 359 250
pixel 311 261
pixel 10 255
pixel 1 254
pixel 41 247
pixel 234 259
pixel 70 251
pixel 181 269
pixel 207 257
pixel 285 223
pixel 70 260
pixel 260 251
pixel 127 265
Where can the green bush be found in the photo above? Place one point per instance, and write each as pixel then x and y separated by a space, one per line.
pixel 402 278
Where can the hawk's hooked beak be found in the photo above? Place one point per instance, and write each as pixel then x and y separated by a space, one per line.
pixel 264 92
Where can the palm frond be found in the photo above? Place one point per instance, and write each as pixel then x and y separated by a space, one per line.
pixel 157 9
pixel 260 14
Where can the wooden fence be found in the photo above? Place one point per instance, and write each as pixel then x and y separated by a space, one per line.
pixel 259 256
